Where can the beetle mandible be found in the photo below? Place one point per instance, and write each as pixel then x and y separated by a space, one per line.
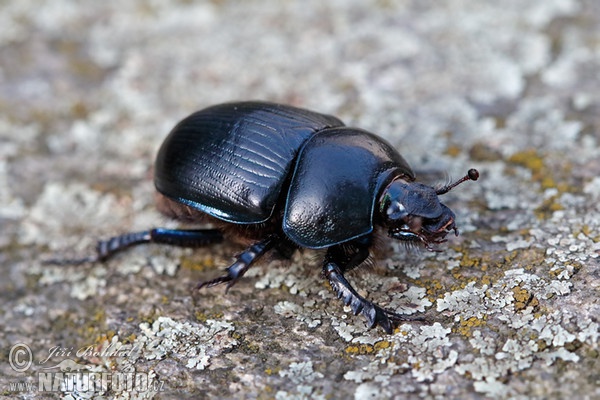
pixel 283 178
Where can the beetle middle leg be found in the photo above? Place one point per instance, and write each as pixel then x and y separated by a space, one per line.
pixel 243 262
pixel 338 261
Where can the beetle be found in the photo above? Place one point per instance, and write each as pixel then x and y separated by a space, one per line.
pixel 281 178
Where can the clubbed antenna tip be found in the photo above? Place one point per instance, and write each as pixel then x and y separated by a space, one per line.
pixel 472 175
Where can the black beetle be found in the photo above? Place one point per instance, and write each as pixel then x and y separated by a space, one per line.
pixel 285 178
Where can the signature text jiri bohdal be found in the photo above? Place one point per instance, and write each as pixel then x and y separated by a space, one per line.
pixel 113 350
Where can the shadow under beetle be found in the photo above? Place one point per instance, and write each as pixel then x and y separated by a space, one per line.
pixel 283 178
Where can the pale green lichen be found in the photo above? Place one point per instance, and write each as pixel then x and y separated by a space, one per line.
pixel 301 374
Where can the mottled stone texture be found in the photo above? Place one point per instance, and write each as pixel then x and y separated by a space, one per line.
pixel 89 89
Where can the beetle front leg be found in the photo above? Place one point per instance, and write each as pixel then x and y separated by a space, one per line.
pixel 243 263
pixel 375 315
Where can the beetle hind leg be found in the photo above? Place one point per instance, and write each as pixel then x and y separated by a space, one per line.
pixel 243 263
pixel 173 237
pixel 105 249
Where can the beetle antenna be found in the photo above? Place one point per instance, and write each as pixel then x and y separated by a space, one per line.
pixel 472 175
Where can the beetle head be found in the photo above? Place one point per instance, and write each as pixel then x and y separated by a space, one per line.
pixel 413 212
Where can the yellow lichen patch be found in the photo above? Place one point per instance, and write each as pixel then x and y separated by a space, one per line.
pixel 547 182
pixel 540 172
pixel 588 232
pixel 79 110
pixel 198 264
pixel 251 348
pixel 94 326
pixel 472 265
pixel 486 280
pixel 467 261
pixel 480 151
pixel 457 274
pixel 434 288
pixel 129 339
pixel 467 325
pixel 366 349
pixel 555 272
pixel 105 337
pixel 548 207
pixel 150 317
pixel 531 160
pixel 523 298
pixel 453 150
pixel 381 345
pixel 542 345
pixel 572 266
pixel 202 317
pixel 509 258
pixel 530 257
pixel 549 177
pixel 272 371
pixel 585 230
pixel 360 349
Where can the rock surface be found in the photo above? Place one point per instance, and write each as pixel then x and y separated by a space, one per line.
pixel 88 91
